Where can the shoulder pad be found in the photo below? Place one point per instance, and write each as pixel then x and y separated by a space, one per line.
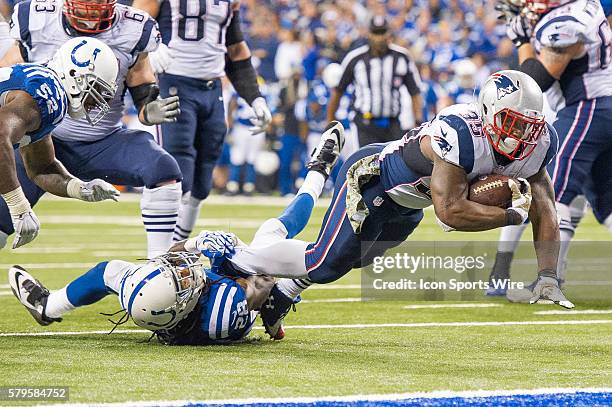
pixel 451 140
pixel 561 32
pixel 144 28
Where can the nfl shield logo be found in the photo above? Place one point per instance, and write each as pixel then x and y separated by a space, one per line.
pixel 378 201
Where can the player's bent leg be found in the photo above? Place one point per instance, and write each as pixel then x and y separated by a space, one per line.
pixel 31 293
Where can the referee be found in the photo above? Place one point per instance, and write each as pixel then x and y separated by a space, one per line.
pixel 378 70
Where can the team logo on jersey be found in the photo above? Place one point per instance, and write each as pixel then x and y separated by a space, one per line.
pixel 83 64
pixel 379 200
pixel 504 85
pixel 445 146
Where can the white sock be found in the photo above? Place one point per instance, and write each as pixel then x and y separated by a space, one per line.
pixel 607 223
pixel 567 228
pixel 510 237
pixel 159 207
pixel 3 239
pixel 58 304
pixel 293 287
pixel 188 215
pixel 313 185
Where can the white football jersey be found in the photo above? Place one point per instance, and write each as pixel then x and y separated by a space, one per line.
pixel 587 77
pixel 41 27
pixel 456 137
pixel 195 30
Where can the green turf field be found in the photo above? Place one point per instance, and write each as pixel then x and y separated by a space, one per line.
pixel 313 360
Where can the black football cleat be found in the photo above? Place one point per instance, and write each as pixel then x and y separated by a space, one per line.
pixel 274 311
pixel 326 154
pixel 31 293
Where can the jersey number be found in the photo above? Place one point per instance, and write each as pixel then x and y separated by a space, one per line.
pixel 191 26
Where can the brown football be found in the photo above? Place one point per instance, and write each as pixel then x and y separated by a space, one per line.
pixel 491 190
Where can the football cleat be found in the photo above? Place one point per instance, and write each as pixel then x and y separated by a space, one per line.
pixel 326 154
pixel 274 311
pixel 31 293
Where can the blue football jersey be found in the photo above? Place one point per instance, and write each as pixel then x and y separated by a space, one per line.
pixel 44 86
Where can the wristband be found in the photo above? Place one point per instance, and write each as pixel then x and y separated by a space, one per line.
pixel 73 189
pixel 17 202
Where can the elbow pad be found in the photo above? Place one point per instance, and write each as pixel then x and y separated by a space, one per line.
pixel 243 77
pixel 144 94
pixel 538 72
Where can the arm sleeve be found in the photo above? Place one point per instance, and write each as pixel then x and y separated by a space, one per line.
pixel 234 33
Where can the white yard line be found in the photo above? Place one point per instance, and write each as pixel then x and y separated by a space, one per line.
pixel 50 265
pixel 463 305
pixel 361 397
pixel 136 221
pixel 333 300
pixel 334 287
pixel 5 293
pixel 347 326
pixel 575 312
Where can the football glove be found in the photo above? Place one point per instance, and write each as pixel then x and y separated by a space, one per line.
pixel 547 288
pixel 161 111
pixel 213 245
pixel 262 118
pixel 519 30
pixel 93 191
pixel 521 201
pixel 26 228
pixel 507 9
pixel 161 59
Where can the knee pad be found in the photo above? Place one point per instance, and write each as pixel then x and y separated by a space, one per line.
pixel 166 198
pixel 164 169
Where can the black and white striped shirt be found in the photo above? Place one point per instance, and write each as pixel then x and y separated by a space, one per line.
pixel 377 80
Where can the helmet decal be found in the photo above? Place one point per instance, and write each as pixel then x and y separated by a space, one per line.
pixel 505 86
pixel 83 64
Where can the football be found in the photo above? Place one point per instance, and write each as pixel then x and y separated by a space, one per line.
pixel 491 190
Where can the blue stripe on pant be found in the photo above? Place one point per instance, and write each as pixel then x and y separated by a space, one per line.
pixel 338 249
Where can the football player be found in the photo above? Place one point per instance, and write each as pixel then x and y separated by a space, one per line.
pixel 108 151
pixel 381 191
pixel 202 41
pixel 566 47
pixel 172 295
pixel 79 79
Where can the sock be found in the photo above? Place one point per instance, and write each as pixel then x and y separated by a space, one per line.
pixel 58 304
pixel 86 289
pixel 295 217
pixel 607 224
pixel 501 267
pixel 510 237
pixel 188 215
pixel 3 239
pixel 250 175
pixel 567 228
pixel 293 287
pixel 234 173
pixel 159 207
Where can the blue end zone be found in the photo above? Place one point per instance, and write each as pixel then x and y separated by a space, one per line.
pixel 556 399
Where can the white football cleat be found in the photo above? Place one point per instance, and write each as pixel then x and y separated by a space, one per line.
pixel 31 293
pixel 326 154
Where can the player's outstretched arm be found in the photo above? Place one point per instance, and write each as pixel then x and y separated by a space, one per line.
pixel 449 193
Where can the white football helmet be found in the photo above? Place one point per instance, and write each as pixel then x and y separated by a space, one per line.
pixel 510 104
pixel 88 71
pixel 164 291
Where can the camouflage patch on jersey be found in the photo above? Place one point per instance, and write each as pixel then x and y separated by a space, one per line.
pixel 357 176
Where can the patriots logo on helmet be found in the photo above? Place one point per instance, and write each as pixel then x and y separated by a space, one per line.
pixel 445 146
pixel 504 85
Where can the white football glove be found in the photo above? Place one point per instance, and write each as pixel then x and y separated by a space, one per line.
pixel 521 201
pixel 519 30
pixel 26 228
pixel 161 58
pixel 262 118
pixel 161 111
pixel 547 288
pixel 93 191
